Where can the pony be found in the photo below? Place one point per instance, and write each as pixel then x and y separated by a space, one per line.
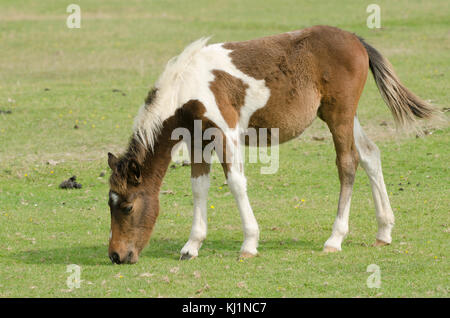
pixel 281 81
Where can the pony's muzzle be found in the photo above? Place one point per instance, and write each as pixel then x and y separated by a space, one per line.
pixel 129 258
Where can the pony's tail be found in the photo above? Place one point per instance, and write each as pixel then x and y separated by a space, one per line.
pixel 405 106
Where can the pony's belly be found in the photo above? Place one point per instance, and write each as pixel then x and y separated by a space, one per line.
pixel 286 131
pixel 289 121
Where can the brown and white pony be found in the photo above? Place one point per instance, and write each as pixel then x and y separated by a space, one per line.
pixel 283 81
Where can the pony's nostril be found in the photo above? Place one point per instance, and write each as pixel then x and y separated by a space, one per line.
pixel 115 258
pixel 130 256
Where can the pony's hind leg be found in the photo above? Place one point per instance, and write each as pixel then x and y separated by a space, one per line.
pixel 200 187
pixel 369 156
pixel 340 124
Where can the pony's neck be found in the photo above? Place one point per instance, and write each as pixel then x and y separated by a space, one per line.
pixel 154 162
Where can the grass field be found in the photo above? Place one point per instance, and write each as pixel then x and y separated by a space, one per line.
pixel 53 78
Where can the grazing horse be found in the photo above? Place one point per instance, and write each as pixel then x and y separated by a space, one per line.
pixel 283 81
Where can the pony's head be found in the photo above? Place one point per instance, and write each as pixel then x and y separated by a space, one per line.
pixel 134 209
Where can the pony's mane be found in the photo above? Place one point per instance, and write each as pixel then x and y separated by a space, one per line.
pixel 164 99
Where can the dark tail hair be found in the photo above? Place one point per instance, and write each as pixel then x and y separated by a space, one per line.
pixel 405 106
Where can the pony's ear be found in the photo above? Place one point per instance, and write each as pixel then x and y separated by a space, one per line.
pixel 134 172
pixel 112 161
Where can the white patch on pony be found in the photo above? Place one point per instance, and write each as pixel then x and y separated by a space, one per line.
pixel 216 57
pixel 188 77
pixel 114 198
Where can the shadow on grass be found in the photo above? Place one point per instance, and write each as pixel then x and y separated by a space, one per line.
pixel 157 249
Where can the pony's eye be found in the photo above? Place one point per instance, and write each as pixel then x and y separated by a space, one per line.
pixel 127 209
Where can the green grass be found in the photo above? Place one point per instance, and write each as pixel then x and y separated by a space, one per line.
pixel 125 46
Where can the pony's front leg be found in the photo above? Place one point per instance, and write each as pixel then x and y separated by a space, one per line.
pixel 234 172
pixel 200 187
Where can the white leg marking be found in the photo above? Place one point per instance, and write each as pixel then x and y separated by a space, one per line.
pixel 238 186
pixel 369 156
pixel 200 187
pixel 340 226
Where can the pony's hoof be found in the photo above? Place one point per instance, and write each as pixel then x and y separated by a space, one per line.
pixel 187 256
pixel 247 255
pixel 329 249
pixel 380 243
